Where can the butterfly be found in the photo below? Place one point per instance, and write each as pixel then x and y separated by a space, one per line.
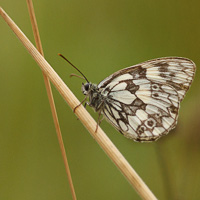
pixel 142 101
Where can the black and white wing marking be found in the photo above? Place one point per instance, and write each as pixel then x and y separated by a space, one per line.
pixel 142 101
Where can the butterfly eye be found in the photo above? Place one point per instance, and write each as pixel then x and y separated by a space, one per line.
pixel 87 86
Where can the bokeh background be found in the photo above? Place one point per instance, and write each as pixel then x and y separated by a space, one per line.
pixel 99 37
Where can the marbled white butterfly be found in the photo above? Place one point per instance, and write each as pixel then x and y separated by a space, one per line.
pixel 142 101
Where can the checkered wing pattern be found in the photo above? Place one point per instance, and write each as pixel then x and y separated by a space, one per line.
pixel 142 101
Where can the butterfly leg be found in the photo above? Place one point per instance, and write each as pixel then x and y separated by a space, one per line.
pixel 86 103
pixel 99 121
pixel 80 104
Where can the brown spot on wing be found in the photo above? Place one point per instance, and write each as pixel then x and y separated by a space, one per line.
pixel 131 86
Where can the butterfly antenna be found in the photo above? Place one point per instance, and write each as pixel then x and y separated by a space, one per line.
pixel 76 76
pixel 73 66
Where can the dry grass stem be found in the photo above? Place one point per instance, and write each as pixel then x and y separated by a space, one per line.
pixel 84 116
pixel 50 96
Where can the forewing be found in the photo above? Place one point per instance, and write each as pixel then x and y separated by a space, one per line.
pixel 174 71
pixel 143 100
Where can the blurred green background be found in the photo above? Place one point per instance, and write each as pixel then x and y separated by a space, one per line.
pixel 99 37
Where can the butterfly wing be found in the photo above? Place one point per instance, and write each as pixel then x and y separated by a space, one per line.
pixel 143 100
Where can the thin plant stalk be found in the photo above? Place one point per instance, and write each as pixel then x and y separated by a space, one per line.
pixel 89 123
pixel 164 171
pixel 50 96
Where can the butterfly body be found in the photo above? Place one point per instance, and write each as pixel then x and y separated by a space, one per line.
pixel 142 101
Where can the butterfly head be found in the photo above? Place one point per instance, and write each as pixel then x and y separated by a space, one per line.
pixel 90 89
pixel 85 88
